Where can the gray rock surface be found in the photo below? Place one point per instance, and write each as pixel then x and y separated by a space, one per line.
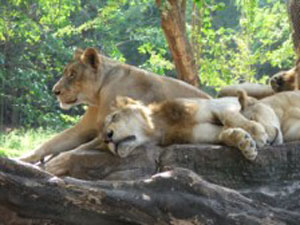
pixel 180 184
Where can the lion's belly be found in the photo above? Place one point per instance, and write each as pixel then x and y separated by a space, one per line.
pixel 206 133
pixel 213 109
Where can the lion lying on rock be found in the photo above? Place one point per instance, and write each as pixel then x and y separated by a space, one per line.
pixel 279 114
pixel 286 80
pixel 214 121
pixel 281 81
pixel 95 80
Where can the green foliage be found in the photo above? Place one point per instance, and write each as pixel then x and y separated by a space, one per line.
pixel 38 37
pixel 18 142
pixel 257 48
pixel 31 59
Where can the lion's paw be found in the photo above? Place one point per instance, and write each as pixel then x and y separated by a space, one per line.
pixel 31 157
pixel 248 147
pixel 241 139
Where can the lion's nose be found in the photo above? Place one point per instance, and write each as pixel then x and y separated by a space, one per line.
pixel 279 81
pixel 108 136
pixel 56 92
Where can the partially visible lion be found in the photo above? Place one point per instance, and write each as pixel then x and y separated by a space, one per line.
pixel 214 121
pixel 95 80
pixel 286 80
pixel 258 91
pixel 282 81
pixel 279 114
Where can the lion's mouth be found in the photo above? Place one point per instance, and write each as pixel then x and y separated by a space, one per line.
pixel 115 144
pixel 71 102
pixel 67 104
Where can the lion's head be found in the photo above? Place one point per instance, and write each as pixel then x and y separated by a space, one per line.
pixel 79 82
pixel 286 80
pixel 283 81
pixel 260 112
pixel 128 126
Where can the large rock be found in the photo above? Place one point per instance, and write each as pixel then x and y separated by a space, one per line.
pixel 180 184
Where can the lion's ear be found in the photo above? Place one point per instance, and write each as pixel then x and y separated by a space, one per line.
pixel 123 101
pixel 243 98
pixel 90 57
pixel 77 54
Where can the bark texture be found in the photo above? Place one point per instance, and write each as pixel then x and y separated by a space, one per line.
pixel 181 184
pixel 294 14
pixel 173 24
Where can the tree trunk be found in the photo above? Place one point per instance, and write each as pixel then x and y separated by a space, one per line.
pixel 188 189
pixel 173 25
pixel 294 14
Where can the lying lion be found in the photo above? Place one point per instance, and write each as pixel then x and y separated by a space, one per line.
pixel 286 80
pixel 214 121
pixel 282 81
pixel 279 114
pixel 96 80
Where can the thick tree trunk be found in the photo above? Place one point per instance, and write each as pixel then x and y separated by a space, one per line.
pixel 173 25
pixel 187 190
pixel 294 13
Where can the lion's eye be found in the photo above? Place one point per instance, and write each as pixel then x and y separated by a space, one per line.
pixel 115 117
pixel 72 75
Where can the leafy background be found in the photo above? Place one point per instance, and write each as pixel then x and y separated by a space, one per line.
pixel 233 41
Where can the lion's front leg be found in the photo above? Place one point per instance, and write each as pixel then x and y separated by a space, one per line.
pixel 87 129
pixel 94 144
pixel 64 141
pixel 241 139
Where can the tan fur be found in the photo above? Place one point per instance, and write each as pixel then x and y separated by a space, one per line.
pixel 176 120
pixel 95 80
pixel 212 121
pixel 279 114
pixel 255 90
pixel 282 81
pixel 287 80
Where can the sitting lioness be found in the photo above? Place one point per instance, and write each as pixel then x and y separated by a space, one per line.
pixel 96 80
pixel 215 121
pixel 279 114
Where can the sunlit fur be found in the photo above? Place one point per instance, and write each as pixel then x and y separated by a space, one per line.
pixel 95 80
pixel 281 81
pixel 168 122
pixel 281 111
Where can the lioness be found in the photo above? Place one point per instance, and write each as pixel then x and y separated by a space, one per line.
pixel 215 121
pixel 96 80
pixel 279 114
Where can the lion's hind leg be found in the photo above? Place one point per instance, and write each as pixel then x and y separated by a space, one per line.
pixel 241 139
pixel 237 120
